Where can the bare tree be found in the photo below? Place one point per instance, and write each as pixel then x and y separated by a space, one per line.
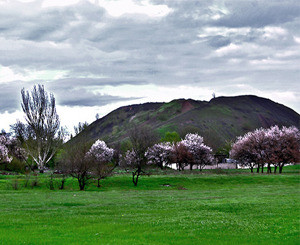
pixel 141 138
pixel 41 136
pixel 76 162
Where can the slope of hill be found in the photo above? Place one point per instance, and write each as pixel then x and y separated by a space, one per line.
pixel 220 119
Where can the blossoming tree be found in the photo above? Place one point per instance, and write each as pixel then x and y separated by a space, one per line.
pixel 4 156
pixel 268 146
pixel 159 154
pixel 9 149
pixel 201 153
pixel 102 156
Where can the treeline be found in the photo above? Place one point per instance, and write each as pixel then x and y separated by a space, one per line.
pixel 38 145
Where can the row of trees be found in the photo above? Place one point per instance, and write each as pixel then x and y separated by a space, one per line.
pixel 266 147
pixel 191 151
pixel 37 141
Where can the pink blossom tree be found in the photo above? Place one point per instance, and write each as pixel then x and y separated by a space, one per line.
pixel 242 151
pixel 9 149
pixel 102 156
pixel 159 154
pixel 133 160
pixel 268 146
pixel 201 153
pixel 289 147
pixel 4 157
pixel 181 155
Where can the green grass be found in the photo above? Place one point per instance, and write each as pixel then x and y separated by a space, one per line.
pixel 225 207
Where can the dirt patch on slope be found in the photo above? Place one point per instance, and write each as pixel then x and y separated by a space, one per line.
pixel 186 106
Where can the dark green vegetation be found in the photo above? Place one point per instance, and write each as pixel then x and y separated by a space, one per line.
pixel 219 120
pixel 218 207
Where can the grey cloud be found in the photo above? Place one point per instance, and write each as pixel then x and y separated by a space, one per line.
pixel 67 83
pixel 10 96
pixel 85 41
pixel 81 97
pixel 259 13
pixel 49 24
pixel 219 41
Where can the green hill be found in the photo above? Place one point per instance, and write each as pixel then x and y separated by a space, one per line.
pixel 220 119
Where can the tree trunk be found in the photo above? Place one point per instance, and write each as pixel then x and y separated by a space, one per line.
pixel 81 184
pixel 269 168
pixel 275 169
pixel 51 185
pixel 98 185
pixel 62 184
pixel 280 168
pixel 257 168
pixel 262 168
pixel 135 176
pixel 251 168
pixel 191 166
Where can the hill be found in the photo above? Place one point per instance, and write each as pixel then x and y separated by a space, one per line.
pixel 219 120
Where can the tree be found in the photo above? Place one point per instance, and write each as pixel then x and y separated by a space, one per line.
pixel 242 152
pixel 272 146
pixel 102 156
pixel 171 137
pixel 181 155
pixel 9 149
pixel 76 162
pixel 286 146
pixel 131 159
pixel 225 149
pixel 159 154
pixel 41 136
pixel 201 154
pixel 141 138
pixel 81 126
pixel 4 156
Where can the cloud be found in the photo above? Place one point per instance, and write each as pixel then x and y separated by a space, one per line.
pixel 79 97
pixel 259 13
pixel 9 97
pixel 80 48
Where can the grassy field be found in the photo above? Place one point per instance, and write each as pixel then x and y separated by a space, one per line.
pixel 226 207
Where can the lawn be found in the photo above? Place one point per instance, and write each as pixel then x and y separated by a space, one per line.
pixel 227 207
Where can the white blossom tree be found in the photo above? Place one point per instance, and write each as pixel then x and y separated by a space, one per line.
pixel 159 154
pixel 9 149
pixel 102 155
pixel 4 154
pixel 268 146
pixel 201 153
pixel 132 160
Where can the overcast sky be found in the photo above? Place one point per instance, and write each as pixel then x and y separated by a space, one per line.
pixel 96 56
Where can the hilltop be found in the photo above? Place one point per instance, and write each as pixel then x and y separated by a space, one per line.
pixel 217 120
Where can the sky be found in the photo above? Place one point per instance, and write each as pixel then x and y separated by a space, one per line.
pixel 98 55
